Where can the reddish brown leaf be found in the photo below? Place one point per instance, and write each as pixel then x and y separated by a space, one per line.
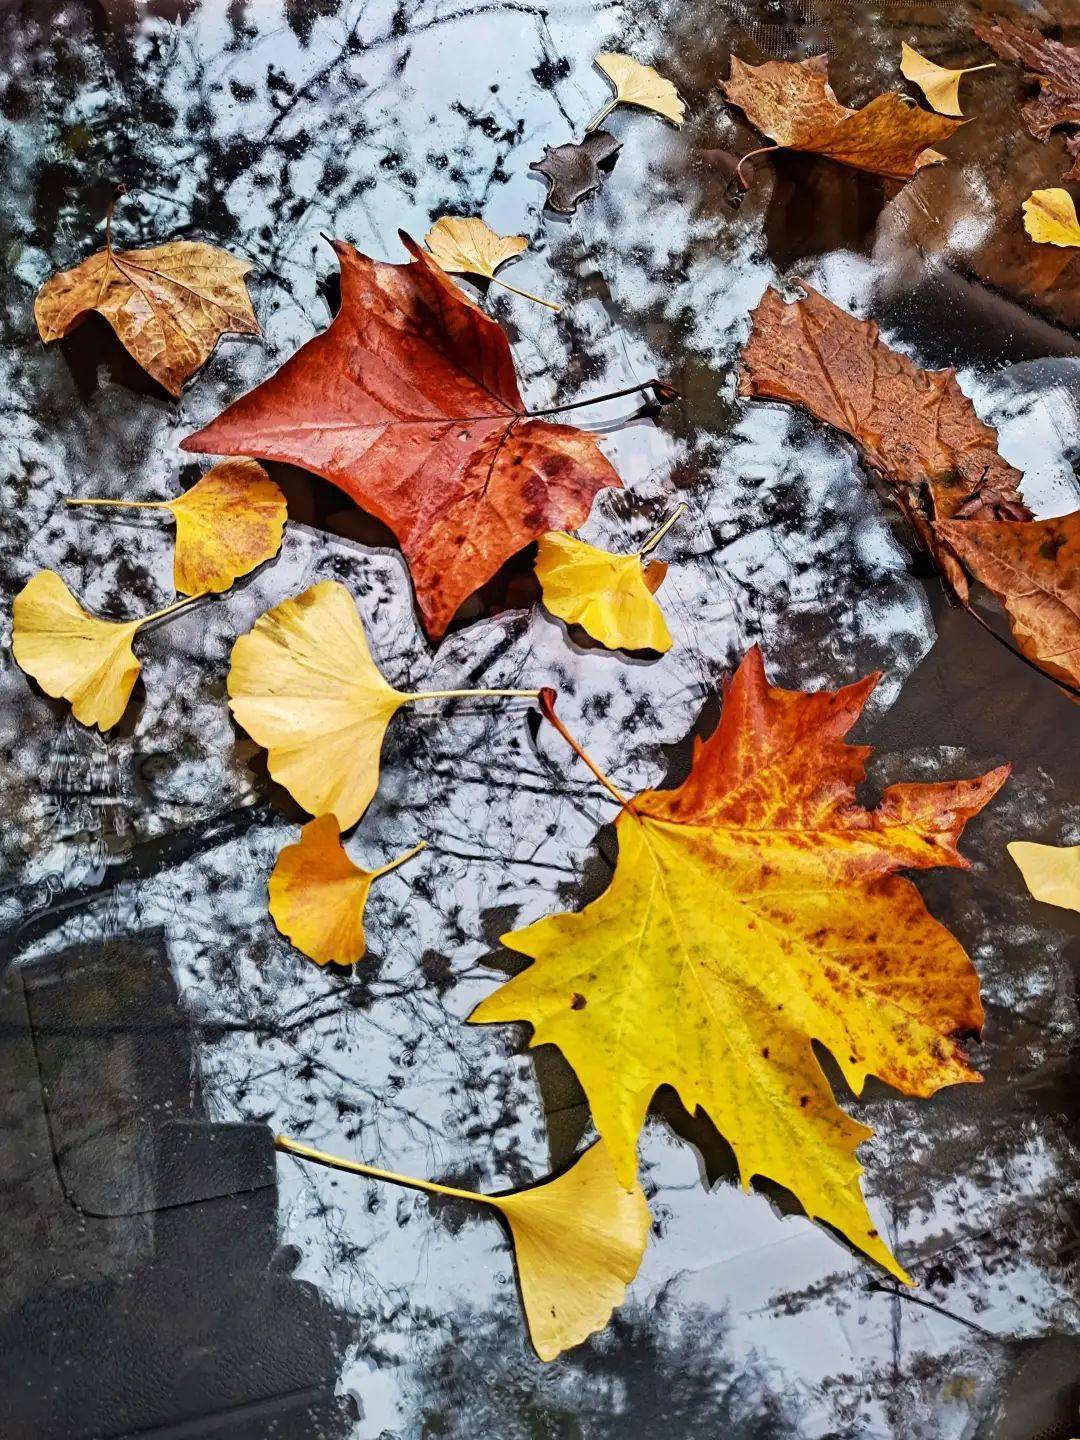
pixel 410 404
pixel 793 103
pixel 1034 569
pixel 915 427
pixel 1057 67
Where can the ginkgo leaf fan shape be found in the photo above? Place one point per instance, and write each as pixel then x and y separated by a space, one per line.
pixel 753 910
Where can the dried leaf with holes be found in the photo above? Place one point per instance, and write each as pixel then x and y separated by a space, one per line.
pixel 168 305
pixel 317 894
pixel 640 85
pixel 1057 67
pixel 609 595
pixel 410 404
pixel 793 103
pixel 574 172
pixel 469 247
pixel 227 524
pixel 1050 218
pixel 1051 872
pixel 940 85
pixel 578 1240
pixel 755 910
pixel 72 654
pixel 303 685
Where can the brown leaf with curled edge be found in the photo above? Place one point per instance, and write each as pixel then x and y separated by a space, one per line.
pixel 793 103
pixel 1056 66
pixel 915 427
pixel 1034 569
pixel 576 171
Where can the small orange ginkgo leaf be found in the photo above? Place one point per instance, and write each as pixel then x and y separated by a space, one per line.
pixel 754 910
pixel 303 684
pixel 317 894
pixel 227 524
pixel 609 595
pixel 940 85
pixel 73 655
pixel 578 1240
pixel 168 305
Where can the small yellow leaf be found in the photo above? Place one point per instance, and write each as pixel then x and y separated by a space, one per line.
pixel 1051 872
pixel 303 684
pixel 578 1241
pixel 608 595
pixel 637 84
pixel 940 85
pixel 75 656
pixel 228 523
pixel 1050 217
pixel 317 894
pixel 469 247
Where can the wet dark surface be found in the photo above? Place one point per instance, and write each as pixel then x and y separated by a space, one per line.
pixel 147 850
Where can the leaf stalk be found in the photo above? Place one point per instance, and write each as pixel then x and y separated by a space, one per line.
pixel 602 114
pixel 401 859
pixel 655 538
pixel 664 392
pixel 170 609
pixel 547 709
pixel 390 1177
pixel 525 294
pixel 467 694
pixel 123 504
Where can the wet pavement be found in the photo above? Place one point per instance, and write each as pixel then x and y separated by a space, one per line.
pixel 263 127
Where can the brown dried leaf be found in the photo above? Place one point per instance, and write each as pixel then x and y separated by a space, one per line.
pixel 1057 67
pixel 574 171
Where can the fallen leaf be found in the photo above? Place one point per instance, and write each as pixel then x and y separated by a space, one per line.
pixel 609 595
pixel 940 85
pixel 303 685
pixel 1073 147
pixel 1056 65
pixel 578 1240
pixel 409 403
pixel 1051 872
pixel 915 427
pixel 469 247
pixel 637 84
pixel 227 524
pixel 1034 569
pixel 793 103
pixel 317 894
pixel 576 171
pixel 1050 218
pixel 756 909
pixel 73 655
pixel 168 305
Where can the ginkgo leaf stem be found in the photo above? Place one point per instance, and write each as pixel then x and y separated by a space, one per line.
pixel 656 383
pixel 401 859
pixel 170 609
pixel 525 294
pixel 655 539
pixel 466 694
pixel 602 114
pixel 990 65
pixel 354 1167
pixel 547 709
pixel 123 504
pixel 764 150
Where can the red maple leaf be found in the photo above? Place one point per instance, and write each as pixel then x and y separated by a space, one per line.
pixel 410 404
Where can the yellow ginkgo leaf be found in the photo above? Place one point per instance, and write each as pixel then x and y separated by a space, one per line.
pixel 229 522
pixel 75 656
pixel 317 894
pixel 940 85
pixel 303 685
pixel 470 247
pixel 1051 872
pixel 578 1240
pixel 609 595
pixel 637 84
pixel 1050 217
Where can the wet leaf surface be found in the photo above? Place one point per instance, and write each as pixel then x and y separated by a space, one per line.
pixel 577 170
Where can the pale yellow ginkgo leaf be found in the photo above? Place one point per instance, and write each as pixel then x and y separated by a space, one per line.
pixel 303 685
pixel 73 655
pixel 317 894
pixel 578 1240
pixel 470 247
pixel 1051 872
pixel 610 596
pixel 637 84
pixel 227 524
pixel 1050 217
pixel 940 85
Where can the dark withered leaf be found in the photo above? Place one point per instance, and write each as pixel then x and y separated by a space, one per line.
pixel 1057 67
pixel 577 170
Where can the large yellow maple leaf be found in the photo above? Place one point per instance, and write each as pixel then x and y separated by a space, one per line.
pixel 753 910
